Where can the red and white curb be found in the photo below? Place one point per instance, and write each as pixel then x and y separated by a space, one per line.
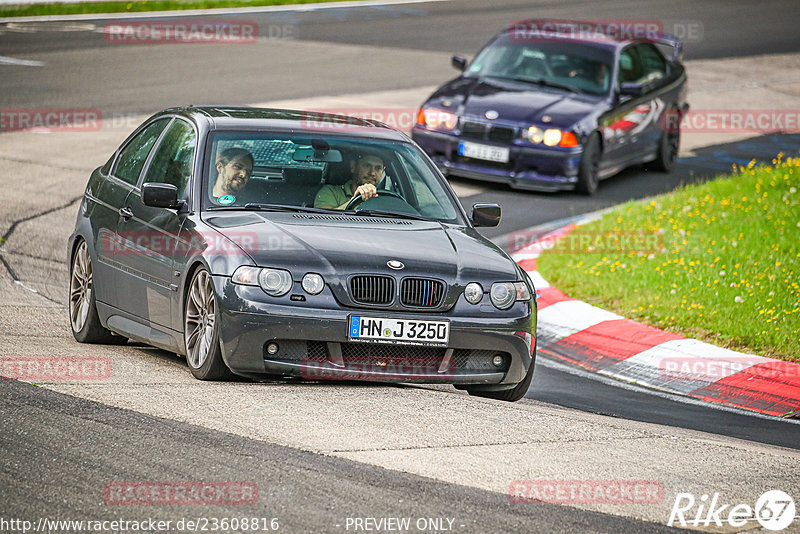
pixel 609 344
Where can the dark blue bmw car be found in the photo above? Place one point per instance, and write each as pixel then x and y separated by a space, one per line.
pixel 559 108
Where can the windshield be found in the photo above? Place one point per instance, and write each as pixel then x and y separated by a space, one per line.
pixel 286 172
pixel 573 66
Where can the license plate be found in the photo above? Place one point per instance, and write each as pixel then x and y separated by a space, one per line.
pixel 487 152
pixel 406 331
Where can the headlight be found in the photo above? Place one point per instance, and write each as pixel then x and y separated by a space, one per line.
pixel 438 119
pixel 245 275
pixel 504 294
pixel 523 291
pixel 533 134
pixel 313 283
pixel 275 282
pixel 473 292
pixel 552 136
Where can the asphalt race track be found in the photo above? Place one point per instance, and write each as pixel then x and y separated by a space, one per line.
pixel 373 451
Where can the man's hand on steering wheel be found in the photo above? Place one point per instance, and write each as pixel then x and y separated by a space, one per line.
pixel 365 191
pixel 381 193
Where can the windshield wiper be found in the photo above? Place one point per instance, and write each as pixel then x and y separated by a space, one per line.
pixel 395 214
pixel 254 206
pixel 541 81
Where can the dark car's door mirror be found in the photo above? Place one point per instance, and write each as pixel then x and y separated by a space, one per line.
pixel 459 63
pixel 158 195
pixel 486 214
pixel 631 89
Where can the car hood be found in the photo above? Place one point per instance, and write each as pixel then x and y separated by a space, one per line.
pixel 517 101
pixel 337 246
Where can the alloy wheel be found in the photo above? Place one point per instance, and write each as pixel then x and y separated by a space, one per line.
pixel 200 319
pixel 80 288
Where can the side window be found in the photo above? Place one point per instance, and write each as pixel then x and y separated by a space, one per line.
pixel 131 159
pixel 630 66
pixel 653 62
pixel 172 162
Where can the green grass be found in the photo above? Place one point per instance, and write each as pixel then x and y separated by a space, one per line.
pixel 726 267
pixel 136 7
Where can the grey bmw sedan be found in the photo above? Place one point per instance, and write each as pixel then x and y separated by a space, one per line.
pixel 275 242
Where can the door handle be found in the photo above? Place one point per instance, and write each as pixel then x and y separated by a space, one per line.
pixel 125 213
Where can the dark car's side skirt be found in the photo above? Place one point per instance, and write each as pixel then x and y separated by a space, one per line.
pixel 132 327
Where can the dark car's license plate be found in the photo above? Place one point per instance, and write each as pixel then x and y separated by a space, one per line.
pixel 485 152
pixel 385 330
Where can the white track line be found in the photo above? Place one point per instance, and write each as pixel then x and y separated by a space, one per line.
pixel 5 60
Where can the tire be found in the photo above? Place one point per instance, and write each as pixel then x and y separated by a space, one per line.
pixel 82 307
pixel 511 395
pixel 588 173
pixel 668 147
pixel 201 329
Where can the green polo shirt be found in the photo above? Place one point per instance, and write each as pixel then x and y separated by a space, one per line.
pixel 333 196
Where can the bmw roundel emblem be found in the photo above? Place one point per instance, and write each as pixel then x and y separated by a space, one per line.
pixel 491 114
pixel 394 264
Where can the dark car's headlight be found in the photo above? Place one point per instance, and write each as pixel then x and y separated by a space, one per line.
pixel 504 294
pixel 550 137
pixel 274 282
pixel 313 283
pixel 437 119
pixel 473 292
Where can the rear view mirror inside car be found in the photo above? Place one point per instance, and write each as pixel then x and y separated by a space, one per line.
pixel 313 154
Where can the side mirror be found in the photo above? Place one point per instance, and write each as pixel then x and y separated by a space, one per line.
pixel 630 89
pixel 486 214
pixel 458 63
pixel 158 195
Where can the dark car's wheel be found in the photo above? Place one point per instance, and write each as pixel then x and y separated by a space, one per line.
pixel 511 395
pixel 588 173
pixel 201 331
pixel 83 318
pixel 667 151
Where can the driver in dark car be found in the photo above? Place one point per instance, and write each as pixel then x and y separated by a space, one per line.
pixel 234 167
pixel 367 170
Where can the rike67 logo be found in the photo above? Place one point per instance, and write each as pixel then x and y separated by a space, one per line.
pixel 774 510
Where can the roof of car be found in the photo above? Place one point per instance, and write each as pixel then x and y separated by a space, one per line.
pixel 250 118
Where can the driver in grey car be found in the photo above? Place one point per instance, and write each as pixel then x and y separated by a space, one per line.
pixel 367 170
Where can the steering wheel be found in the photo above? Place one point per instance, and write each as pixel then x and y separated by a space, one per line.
pixel 381 193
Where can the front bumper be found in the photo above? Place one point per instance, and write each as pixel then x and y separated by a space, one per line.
pixel 529 167
pixel 313 343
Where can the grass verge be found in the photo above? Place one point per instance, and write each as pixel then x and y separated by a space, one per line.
pixel 137 7
pixel 720 261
